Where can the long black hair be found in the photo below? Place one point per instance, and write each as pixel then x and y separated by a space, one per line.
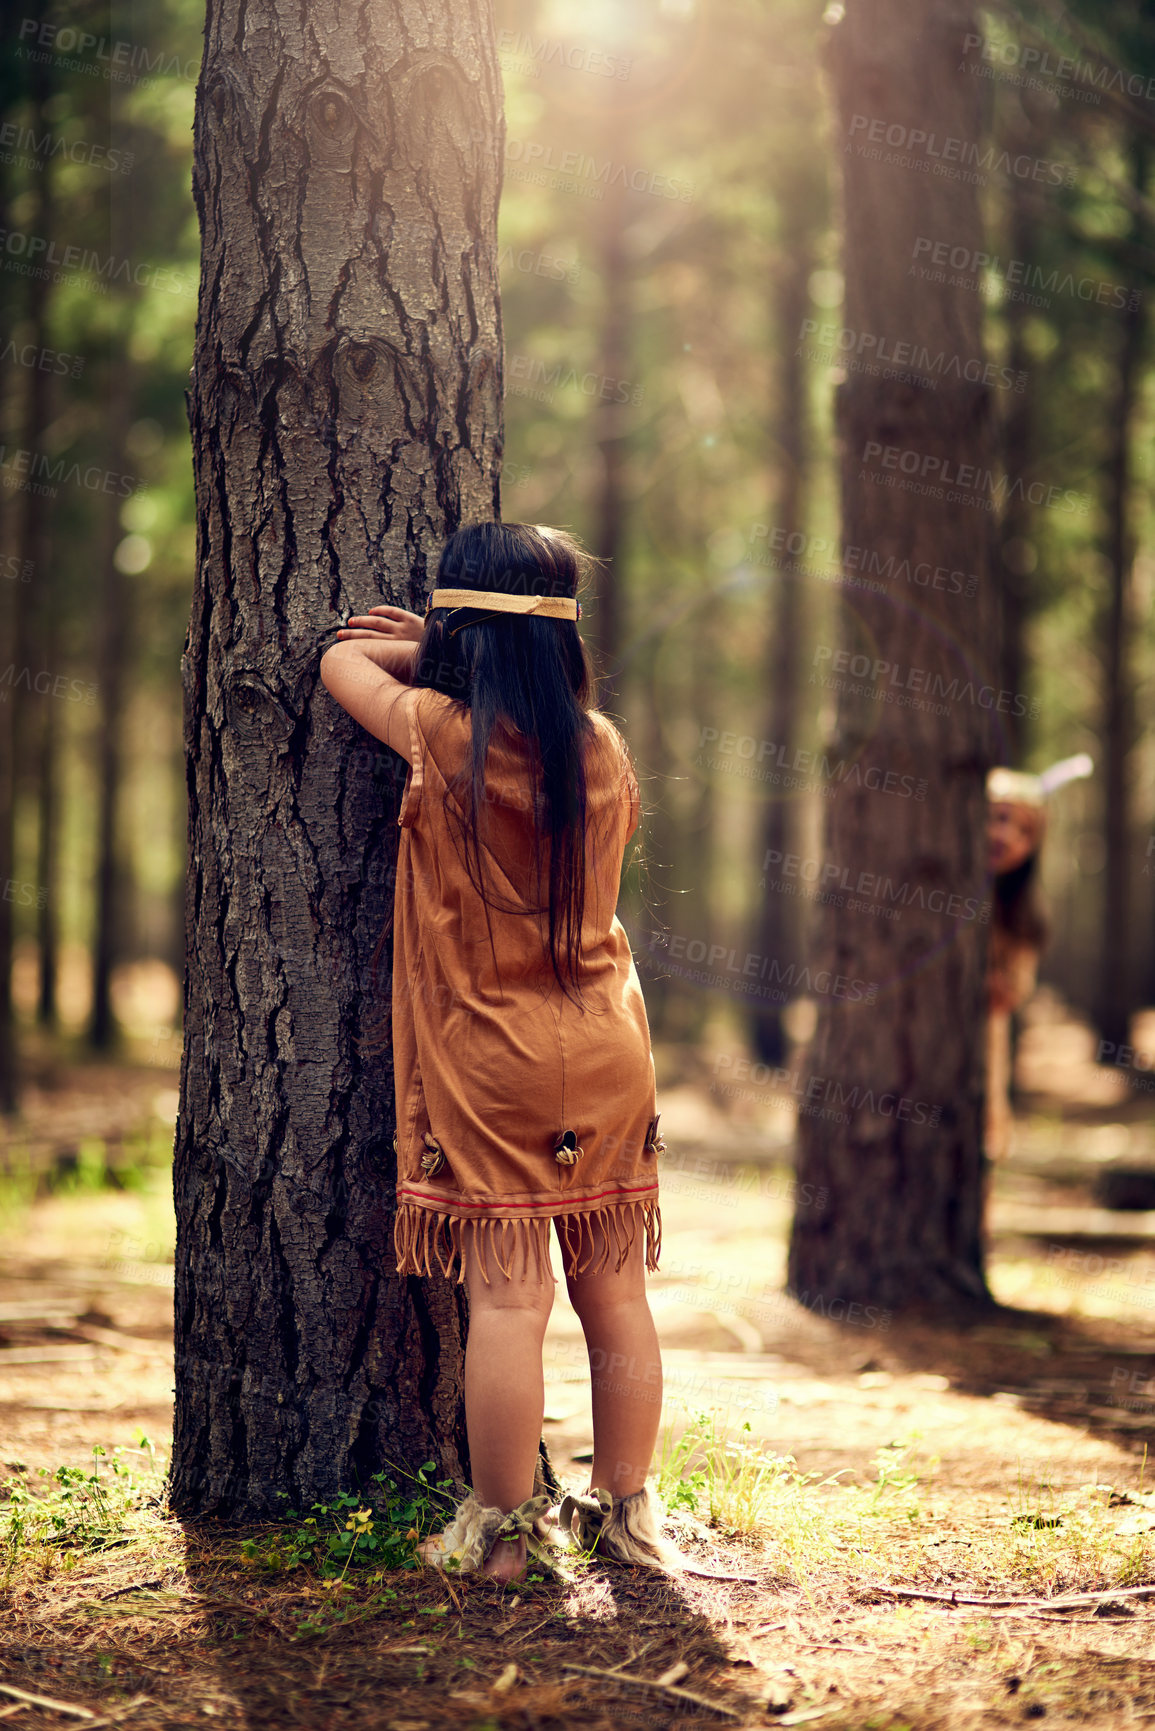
pixel 1017 911
pixel 514 671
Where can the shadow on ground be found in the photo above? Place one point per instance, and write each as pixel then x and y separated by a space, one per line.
pixel 463 1653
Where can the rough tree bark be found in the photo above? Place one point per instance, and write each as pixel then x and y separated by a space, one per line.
pixel 895 1216
pixel 346 417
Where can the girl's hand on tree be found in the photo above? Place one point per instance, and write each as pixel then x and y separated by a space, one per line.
pixel 393 623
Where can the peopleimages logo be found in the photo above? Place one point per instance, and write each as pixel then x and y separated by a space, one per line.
pixel 673 946
pixel 544 264
pixel 534 53
pixel 829 1091
pixel 531 377
pixel 123 62
pixel 36 256
pixel 841 340
pixel 25 895
pixel 1016 276
pixel 880 674
pixel 42 360
pixel 795 551
pixel 957 158
pixel 590 173
pixel 834 882
pixel 32 149
pixel 781 765
pixel 45 684
pixel 1038 69
pixel 34 472
pixel 939 478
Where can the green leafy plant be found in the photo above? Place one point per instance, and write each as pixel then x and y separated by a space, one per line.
pixel 680 1488
pixel 380 1529
pixel 895 1471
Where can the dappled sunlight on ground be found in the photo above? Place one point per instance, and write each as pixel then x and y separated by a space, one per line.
pixel 866 1455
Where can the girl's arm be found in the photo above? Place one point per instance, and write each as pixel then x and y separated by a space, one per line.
pixel 369 670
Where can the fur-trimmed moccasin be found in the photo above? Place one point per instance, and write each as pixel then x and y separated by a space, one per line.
pixel 621 1529
pixel 475 1529
pixel 629 1530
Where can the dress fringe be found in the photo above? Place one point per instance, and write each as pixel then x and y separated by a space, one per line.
pixel 422 1236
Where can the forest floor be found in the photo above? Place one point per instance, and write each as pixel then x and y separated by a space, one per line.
pixel 893 1472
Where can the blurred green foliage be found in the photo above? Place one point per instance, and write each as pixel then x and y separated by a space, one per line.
pixel 659 158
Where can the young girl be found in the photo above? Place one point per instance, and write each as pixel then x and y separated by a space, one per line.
pixel 1016 827
pixel 524 1077
pixel 1016 822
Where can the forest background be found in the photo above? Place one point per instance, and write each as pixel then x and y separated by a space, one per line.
pixel 672 235
pixel 672 333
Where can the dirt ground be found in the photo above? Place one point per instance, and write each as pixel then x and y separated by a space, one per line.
pixel 1016 1446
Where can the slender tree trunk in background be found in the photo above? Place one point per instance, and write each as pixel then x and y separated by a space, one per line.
pixel 649 916
pixel 896 1216
pixel 114 658
pixel 12 603
pixel 11 596
pixel 1014 557
pixel 47 861
pixel 610 518
pixel 114 651
pixel 346 414
pixel 698 916
pixel 1117 983
pixel 35 531
pixel 21 421
pixel 777 932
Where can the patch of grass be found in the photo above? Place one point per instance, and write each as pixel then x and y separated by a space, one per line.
pixel 1054 1541
pixel 1039 1541
pixel 75 1510
pixel 898 1478
pixel 19 1184
pixel 729 1480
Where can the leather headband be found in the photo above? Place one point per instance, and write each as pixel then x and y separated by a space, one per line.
pixel 495 601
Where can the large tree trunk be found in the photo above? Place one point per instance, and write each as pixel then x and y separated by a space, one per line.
pixel 1117 981
pixel 898 1052
pixel 346 416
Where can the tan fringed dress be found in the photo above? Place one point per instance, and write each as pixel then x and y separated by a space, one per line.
pixel 514 1106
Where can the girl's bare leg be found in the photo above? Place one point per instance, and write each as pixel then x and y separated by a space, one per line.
pixel 625 1368
pixel 505 1391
